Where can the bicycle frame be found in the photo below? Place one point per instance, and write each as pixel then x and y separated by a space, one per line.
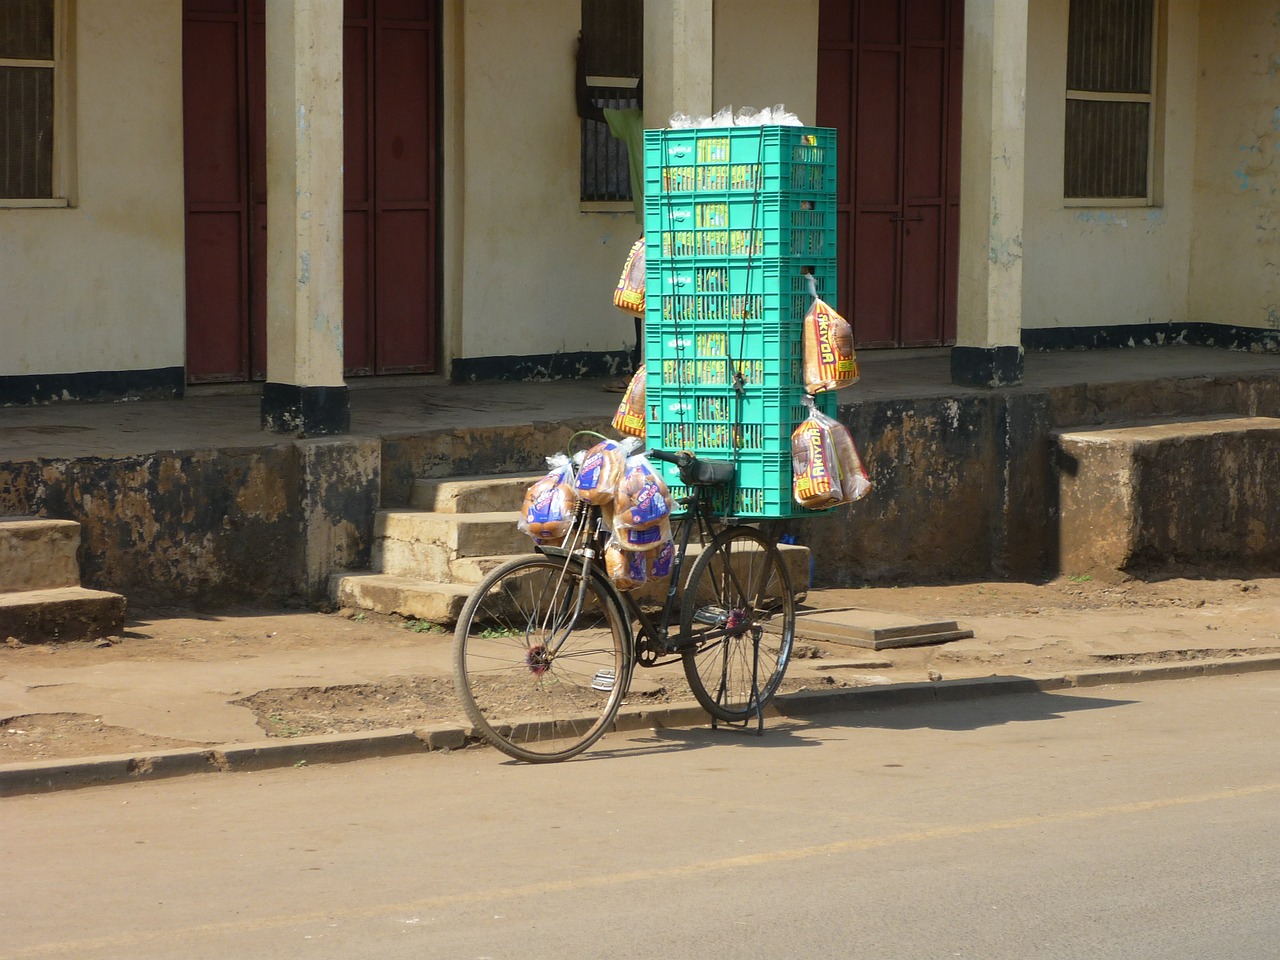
pixel 652 640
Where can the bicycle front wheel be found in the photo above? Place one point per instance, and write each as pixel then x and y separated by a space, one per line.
pixel 541 658
pixel 738 623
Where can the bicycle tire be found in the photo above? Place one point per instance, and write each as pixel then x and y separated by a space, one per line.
pixel 738 599
pixel 534 698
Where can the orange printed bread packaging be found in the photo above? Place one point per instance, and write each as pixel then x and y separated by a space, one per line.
pixel 629 295
pixel 549 503
pixel 630 416
pixel 816 475
pixel 829 359
pixel 825 463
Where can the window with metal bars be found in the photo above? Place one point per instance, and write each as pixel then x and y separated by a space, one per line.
pixel 609 67
pixel 27 85
pixel 1110 106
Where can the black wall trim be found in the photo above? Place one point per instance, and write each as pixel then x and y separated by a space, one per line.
pixel 548 366
pixel 305 411
pixel 986 366
pixel 162 383
pixel 1153 334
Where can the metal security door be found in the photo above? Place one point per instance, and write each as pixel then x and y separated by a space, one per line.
pixel 889 81
pixel 390 250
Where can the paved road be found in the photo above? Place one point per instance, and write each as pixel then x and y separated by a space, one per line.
pixel 1137 821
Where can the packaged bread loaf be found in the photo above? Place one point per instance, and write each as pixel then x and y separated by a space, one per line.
pixel 550 503
pixel 626 568
pixel 829 359
pixel 630 416
pixel 642 498
pixel 816 476
pixel 659 560
pixel 603 468
pixel 629 295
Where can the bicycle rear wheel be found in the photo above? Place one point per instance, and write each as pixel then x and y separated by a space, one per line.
pixel 540 678
pixel 737 622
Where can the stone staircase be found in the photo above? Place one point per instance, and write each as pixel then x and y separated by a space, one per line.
pixel 41 599
pixel 426 558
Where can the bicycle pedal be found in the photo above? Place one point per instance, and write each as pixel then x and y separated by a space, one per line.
pixel 711 615
pixel 604 681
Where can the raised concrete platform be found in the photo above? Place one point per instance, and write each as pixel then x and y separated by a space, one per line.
pixel 1140 498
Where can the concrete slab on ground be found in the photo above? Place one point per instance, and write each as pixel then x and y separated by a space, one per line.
pixel 877 629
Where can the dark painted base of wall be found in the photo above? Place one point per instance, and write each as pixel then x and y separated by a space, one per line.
pixel 162 383
pixel 547 366
pixel 305 411
pixel 1154 334
pixel 986 366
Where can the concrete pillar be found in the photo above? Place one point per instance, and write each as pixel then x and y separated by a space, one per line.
pixel 305 393
pixel 678 40
pixel 988 349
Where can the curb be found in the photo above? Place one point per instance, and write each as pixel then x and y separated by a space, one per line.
pixel 44 776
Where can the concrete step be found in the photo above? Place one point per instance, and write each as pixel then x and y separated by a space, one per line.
pixel 426 544
pixel 475 494
pixel 400 596
pixel 38 554
pixel 60 613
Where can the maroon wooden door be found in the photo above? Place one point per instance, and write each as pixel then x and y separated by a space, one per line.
pixel 889 80
pixel 390 70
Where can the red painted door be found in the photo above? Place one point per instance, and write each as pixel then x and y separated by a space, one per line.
pixel 889 81
pixel 390 70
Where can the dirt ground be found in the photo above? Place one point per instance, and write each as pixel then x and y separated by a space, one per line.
pixel 176 635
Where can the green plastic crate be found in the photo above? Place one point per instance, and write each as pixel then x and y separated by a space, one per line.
pixel 766 159
pixel 728 225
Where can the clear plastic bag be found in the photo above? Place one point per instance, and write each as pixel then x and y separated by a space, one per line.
pixel 626 568
pixel 641 507
pixel 550 504
pixel 826 468
pixel 603 468
pixel 830 362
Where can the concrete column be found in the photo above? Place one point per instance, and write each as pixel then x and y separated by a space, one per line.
pixel 678 39
pixel 988 349
pixel 305 393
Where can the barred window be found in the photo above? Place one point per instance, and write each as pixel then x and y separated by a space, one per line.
pixel 610 63
pixel 27 88
pixel 1110 100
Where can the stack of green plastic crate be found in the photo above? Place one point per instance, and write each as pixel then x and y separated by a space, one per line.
pixel 740 225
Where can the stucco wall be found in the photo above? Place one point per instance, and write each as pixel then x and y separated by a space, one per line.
pixel 1235 265
pixel 99 286
pixel 1103 266
pixel 535 272
pixel 766 53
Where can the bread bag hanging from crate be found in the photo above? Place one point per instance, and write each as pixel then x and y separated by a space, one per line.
pixel 630 416
pixel 830 362
pixel 629 295
pixel 826 468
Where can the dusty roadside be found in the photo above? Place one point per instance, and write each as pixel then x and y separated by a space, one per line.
pixel 300 672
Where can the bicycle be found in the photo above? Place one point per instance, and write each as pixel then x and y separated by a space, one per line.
pixel 545 646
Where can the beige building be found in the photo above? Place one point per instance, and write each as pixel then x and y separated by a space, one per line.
pixel 423 170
